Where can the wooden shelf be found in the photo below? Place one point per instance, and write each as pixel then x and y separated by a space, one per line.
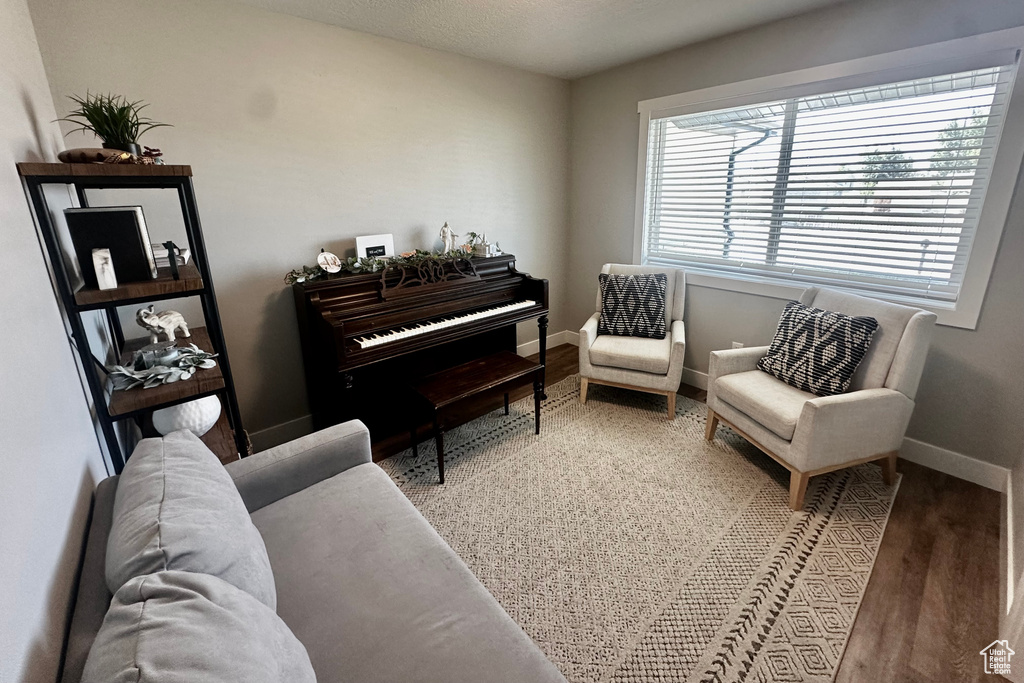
pixel 94 170
pixel 163 286
pixel 131 402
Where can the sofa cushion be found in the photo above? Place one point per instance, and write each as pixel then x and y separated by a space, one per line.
pixel 376 595
pixel 633 305
pixel 183 627
pixel 177 508
pixel 817 350
pixel 632 353
pixel 768 401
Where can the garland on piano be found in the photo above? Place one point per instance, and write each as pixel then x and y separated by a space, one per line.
pixel 374 264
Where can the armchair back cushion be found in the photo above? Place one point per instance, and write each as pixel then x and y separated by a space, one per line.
pixel 675 287
pixel 892 321
pixel 633 305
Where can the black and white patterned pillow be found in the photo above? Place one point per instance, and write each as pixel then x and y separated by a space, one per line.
pixel 816 350
pixel 633 305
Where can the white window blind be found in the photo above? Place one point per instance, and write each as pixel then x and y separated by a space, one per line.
pixel 877 189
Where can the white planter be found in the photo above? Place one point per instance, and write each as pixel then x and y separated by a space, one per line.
pixel 197 416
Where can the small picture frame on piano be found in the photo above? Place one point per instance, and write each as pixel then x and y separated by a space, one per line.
pixel 375 246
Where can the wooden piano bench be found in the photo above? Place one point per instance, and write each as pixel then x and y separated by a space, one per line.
pixel 502 370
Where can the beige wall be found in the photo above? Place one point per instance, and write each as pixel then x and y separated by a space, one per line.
pixel 972 395
pixel 303 135
pixel 48 449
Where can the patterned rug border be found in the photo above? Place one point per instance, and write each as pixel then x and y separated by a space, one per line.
pixel 737 651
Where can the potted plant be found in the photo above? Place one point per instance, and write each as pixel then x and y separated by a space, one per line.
pixel 113 119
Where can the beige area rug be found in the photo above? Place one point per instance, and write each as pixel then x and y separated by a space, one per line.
pixel 632 550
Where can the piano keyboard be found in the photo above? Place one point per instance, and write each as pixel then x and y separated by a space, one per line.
pixel 435 325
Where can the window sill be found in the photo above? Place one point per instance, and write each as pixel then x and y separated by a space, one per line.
pixel 777 288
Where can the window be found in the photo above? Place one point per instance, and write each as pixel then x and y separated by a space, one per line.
pixel 877 189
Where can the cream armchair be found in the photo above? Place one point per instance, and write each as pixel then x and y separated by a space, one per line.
pixel 651 365
pixel 810 434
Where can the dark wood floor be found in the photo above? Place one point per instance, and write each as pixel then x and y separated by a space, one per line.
pixel 933 599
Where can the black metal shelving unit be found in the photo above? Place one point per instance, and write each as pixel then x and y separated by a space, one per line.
pixel 227 439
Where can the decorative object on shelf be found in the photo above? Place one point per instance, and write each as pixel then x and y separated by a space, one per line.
pixel 375 246
pixel 161 253
pixel 328 261
pixel 122 230
pixel 164 322
pixel 151 355
pixel 113 119
pixel 196 416
pixel 189 359
pixel 88 155
pixel 448 238
pixel 153 153
pixel 104 266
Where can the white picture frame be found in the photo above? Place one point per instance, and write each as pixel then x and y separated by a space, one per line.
pixel 375 246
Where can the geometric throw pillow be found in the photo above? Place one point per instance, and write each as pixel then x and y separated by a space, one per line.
pixel 633 305
pixel 176 507
pixel 817 351
pixel 182 627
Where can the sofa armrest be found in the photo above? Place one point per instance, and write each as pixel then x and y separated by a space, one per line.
pixel 289 468
pixel 588 333
pixel 836 429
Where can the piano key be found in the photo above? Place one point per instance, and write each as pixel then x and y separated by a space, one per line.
pixel 386 337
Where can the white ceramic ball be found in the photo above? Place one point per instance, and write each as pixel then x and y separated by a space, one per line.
pixel 197 416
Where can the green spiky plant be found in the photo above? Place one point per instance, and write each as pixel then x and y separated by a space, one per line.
pixel 112 118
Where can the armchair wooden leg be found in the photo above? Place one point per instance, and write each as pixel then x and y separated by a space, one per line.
pixel 889 467
pixel 584 382
pixel 671 405
pixel 712 425
pixel 797 490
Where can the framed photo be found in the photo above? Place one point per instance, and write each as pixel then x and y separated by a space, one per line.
pixel 375 246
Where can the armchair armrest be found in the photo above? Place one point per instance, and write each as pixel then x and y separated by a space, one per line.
pixel 588 333
pixel 283 470
pixel 731 361
pixel 833 430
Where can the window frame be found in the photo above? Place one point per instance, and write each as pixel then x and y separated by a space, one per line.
pixel 952 56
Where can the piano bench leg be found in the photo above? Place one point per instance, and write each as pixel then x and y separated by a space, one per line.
pixel 506 403
pixel 439 439
pixel 412 440
pixel 538 394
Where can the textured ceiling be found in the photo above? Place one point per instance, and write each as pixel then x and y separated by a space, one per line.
pixel 565 38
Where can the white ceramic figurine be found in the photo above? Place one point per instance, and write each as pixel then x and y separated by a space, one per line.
pixel 164 322
pixel 449 237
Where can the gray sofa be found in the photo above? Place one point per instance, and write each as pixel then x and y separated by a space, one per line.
pixel 363 581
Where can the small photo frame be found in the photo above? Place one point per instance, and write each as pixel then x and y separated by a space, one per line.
pixel 375 246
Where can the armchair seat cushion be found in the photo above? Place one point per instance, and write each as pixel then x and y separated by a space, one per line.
pixel 632 353
pixel 766 400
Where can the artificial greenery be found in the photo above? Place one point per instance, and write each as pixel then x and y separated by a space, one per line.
pixel 190 358
pixel 373 264
pixel 112 118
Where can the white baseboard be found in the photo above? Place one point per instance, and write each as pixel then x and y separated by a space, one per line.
pixel 695 378
pixel 555 339
pixel 956 464
pixel 281 433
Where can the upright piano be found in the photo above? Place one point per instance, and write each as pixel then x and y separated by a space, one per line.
pixel 366 337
